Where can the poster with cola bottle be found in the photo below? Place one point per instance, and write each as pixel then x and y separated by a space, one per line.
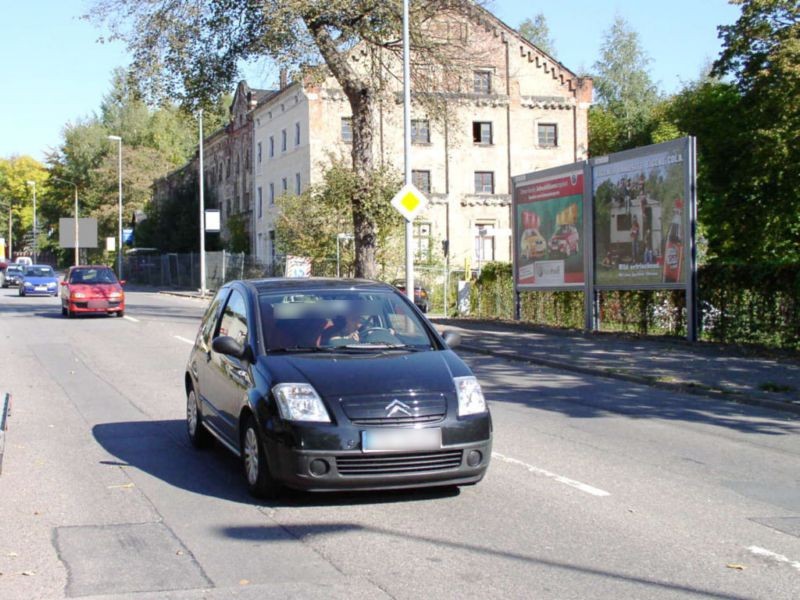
pixel 642 210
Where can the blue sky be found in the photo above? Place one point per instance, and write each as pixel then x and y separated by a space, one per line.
pixel 54 72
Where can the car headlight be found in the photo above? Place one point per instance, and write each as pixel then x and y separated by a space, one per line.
pixel 470 396
pixel 28 284
pixel 300 402
pixel 78 295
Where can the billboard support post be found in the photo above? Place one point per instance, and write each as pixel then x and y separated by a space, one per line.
pixel 691 280
pixel 589 320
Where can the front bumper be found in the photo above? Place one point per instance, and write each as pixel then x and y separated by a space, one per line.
pixel 462 460
pixel 90 306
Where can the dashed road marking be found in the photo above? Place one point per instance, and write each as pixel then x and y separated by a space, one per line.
pixel 183 339
pixel 555 476
pixel 774 556
pixel 130 319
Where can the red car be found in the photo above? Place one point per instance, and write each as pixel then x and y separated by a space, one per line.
pixel 565 240
pixel 92 289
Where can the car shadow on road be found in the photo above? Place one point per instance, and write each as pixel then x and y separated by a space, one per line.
pixel 161 449
pixel 307 532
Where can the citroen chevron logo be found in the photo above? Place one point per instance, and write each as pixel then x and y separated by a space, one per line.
pixel 395 408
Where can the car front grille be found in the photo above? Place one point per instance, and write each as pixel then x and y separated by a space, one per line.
pixel 398 464
pixel 377 410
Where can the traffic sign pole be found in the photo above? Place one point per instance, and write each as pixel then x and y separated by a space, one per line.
pixel 407 151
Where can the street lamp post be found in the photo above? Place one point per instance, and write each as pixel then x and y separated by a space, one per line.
pixel 33 185
pixel 118 139
pixel 77 230
pixel 339 238
pixel 201 180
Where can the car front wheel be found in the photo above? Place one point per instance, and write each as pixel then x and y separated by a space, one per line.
pixel 260 482
pixel 198 434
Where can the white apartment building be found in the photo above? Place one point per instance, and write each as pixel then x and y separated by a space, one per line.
pixel 519 112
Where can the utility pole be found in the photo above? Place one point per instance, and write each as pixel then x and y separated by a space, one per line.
pixel 35 253
pixel 407 149
pixel 202 214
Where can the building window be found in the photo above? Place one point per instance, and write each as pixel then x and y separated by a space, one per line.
pixel 297 184
pixel 237 163
pixel 422 180
pixel 258 152
pixel 297 134
pixel 420 131
pixel 271 194
pixel 228 169
pixel 484 182
pixel 422 242
pixel 347 129
pixel 484 242
pixel 283 141
pixel 272 245
pixel 482 132
pixel 271 147
pixel 482 82
pixel 284 185
pixel 260 199
pixel 228 208
pixel 547 134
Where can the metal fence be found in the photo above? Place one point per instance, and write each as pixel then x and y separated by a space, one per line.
pixel 182 271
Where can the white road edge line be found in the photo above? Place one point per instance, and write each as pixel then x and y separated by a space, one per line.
pixel 560 478
pixel 774 556
pixel 126 317
pixel 183 339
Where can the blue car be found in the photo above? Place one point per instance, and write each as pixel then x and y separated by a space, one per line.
pixel 38 280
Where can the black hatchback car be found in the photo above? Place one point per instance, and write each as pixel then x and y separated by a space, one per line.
pixel 330 384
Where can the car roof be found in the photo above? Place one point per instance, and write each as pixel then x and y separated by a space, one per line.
pixel 78 267
pixel 287 284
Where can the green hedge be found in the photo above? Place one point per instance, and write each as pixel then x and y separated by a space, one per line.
pixel 750 304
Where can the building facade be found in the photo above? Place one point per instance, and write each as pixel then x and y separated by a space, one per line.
pixel 517 110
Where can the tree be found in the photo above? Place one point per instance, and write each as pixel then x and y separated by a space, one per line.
pixel 308 224
pixel 761 51
pixel 15 172
pixel 622 81
pixel 537 32
pixel 191 49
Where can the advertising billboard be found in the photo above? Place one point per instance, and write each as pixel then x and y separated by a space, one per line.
pixel 642 210
pixel 549 236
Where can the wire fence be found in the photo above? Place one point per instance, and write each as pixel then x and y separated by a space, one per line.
pixel 182 271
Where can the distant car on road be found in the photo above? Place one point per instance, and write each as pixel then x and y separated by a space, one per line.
pixel 421 296
pixel 12 274
pixel 330 384
pixel 92 289
pixel 38 280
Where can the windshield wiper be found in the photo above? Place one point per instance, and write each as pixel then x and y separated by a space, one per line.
pixel 384 347
pixel 297 349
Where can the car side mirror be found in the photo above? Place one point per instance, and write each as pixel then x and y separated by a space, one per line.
pixel 225 344
pixel 122 282
pixel 451 338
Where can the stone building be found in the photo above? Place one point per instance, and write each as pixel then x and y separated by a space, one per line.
pixel 518 110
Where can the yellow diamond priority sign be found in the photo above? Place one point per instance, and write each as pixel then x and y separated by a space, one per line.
pixel 409 202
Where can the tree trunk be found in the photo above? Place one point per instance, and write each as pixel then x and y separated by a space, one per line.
pixel 361 103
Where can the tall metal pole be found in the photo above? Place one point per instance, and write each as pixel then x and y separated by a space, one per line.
pixel 33 185
pixel 117 139
pixel 10 233
pixel 202 214
pixel 407 149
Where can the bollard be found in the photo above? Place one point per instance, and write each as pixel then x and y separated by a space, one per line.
pixel 5 412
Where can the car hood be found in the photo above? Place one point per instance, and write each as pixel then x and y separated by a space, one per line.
pixel 40 280
pixel 356 374
pixel 96 289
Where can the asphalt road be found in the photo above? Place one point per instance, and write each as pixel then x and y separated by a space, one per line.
pixel 598 488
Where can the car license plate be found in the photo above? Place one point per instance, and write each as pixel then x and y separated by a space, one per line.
pixel 41 288
pixel 401 440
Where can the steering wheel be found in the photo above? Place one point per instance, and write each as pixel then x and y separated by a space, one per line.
pixel 378 335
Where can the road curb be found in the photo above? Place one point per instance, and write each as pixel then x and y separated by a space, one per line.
pixel 695 390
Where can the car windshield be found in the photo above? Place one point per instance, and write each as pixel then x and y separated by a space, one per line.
pixel 37 271
pixel 92 276
pixel 341 319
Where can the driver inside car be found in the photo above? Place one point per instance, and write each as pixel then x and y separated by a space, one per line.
pixel 343 328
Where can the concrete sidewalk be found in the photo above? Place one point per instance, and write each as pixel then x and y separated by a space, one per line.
pixel 709 369
pixel 764 379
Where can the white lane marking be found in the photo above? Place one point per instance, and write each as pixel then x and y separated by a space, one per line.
pixel 560 478
pixel 774 556
pixel 131 319
pixel 183 339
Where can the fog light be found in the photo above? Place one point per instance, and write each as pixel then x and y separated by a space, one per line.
pixel 319 467
pixel 474 458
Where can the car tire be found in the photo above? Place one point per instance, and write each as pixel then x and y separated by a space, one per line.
pixel 198 434
pixel 121 314
pixel 21 292
pixel 260 482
